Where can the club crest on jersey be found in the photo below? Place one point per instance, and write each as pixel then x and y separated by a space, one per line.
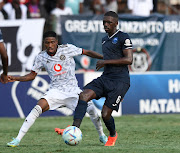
pixel 115 40
pixel 57 67
pixel 62 57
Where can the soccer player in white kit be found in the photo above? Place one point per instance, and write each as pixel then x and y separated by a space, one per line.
pixel 64 91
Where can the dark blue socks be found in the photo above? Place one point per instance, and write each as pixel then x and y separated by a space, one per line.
pixel 110 126
pixel 79 113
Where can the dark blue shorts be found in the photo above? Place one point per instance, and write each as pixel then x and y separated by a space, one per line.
pixel 112 90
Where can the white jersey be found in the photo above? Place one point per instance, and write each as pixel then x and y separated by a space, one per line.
pixel 60 67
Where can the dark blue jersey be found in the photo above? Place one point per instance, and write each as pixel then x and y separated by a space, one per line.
pixel 112 48
pixel 1 39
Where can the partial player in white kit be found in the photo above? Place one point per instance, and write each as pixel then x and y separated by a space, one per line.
pixel 64 91
pixel 4 59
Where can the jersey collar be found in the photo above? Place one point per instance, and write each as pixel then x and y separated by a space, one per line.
pixel 114 34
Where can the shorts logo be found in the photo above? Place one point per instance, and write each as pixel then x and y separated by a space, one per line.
pixel 115 40
pixel 57 67
pixel 62 57
pixel 117 101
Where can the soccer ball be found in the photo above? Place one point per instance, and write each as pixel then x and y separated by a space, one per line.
pixel 72 135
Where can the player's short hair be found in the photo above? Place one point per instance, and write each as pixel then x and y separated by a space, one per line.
pixel 112 14
pixel 49 34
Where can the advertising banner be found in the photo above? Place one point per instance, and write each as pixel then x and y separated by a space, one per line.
pixel 155 39
pixel 23 40
pixel 153 93
pixel 18 98
pixel 150 93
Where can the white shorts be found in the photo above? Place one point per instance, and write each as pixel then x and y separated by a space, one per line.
pixel 57 99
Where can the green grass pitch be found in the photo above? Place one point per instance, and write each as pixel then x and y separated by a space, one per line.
pixel 136 134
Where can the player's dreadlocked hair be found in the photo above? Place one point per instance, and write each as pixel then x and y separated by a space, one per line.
pixel 112 14
pixel 49 34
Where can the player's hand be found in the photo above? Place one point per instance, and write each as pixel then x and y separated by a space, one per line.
pixel 11 78
pixel 100 64
pixel 4 78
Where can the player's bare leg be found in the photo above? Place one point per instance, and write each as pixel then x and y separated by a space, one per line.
pixel 41 107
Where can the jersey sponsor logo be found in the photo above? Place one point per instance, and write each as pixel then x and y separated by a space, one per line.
pixel 115 40
pixel 128 42
pixel 117 101
pixel 141 60
pixel 57 67
pixel 62 57
pixel 60 73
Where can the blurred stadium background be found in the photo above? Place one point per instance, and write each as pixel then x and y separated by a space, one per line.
pixel 155 76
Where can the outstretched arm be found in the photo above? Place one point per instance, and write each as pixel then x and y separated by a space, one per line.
pixel 27 77
pixel 4 57
pixel 126 60
pixel 92 54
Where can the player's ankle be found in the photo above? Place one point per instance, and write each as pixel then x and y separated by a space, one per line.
pixel 77 122
pixel 113 135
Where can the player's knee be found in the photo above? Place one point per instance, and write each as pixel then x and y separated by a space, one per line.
pixel 83 96
pixel 87 95
pixel 104 116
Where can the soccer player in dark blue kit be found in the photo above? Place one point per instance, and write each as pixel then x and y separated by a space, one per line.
pixel 114 82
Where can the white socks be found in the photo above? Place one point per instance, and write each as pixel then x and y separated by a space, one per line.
pixel 37 111
pixel 91 110
pixel 29 121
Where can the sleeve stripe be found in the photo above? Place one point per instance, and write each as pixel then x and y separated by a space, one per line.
pixel 128 48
